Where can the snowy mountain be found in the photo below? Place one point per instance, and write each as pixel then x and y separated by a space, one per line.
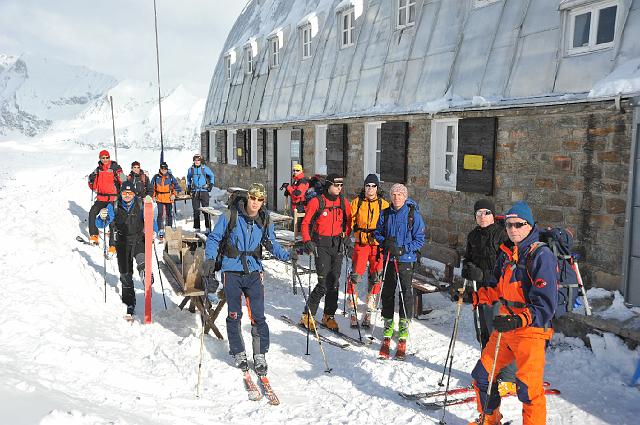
pixel 40 96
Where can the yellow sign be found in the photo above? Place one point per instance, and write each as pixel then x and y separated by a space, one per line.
pixel 473 162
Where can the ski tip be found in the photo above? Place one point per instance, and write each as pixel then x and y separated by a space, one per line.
pixel 328 370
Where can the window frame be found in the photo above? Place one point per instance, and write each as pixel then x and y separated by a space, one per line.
pixel 371 152
pixel 303 30
pixel 274 56
pixel 350 31
pixel 232 158
pixel 595 9
pixel 406 9
pixel 320 151
pixel 227 66
pixel 438 154
pixel 249 59
pixel 254 147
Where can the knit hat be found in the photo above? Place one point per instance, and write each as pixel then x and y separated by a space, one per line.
pixel 134 163
pixel 257 190
pixel 372 178
pixel 520 210
pixel 398 187
pixel 484 204
pixel 164 165
pixel 103 152
pixel 127 186
pixel 297 167
pixel 198 156
pixel 333 178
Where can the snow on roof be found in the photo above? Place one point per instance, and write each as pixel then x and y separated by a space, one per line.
pixel 454 56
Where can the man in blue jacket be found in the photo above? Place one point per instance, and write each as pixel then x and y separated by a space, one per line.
pixel 400 233
pixel 241 271
pixel 200 181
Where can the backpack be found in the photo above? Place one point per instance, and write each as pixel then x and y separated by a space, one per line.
pixel 560 242
pixel 316 187
pixel 223 248
pixel 208 186
pixel 113 166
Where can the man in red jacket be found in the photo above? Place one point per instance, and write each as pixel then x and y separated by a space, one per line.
pixel 297 189
pixel 325 231
pixel 105 181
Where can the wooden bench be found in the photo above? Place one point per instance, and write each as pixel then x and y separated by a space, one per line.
pixel 182 258
pixel 425 281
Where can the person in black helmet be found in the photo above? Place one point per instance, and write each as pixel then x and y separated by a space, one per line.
pixel 200 181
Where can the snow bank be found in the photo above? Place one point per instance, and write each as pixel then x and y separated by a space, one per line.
pixel 624 79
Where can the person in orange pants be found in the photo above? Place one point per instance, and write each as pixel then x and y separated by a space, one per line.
pixel 367 206
pixel 525 282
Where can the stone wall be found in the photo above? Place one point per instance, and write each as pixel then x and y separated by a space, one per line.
pixel 569 162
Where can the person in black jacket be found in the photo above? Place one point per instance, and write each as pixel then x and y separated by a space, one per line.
pixel 483 247
pixel 141 182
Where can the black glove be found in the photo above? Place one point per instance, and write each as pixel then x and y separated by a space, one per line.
pixel 507 323
pixel 209 269
pixel 472 272
pixel 284 186
pixel 388 244
pixel 309 247
pixel 454 292
pixel 293 255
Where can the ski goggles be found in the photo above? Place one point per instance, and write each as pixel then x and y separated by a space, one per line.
pixel 127 193
pixel 480 213
pixel 518 225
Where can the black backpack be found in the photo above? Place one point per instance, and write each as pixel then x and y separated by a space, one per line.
pixel 223 248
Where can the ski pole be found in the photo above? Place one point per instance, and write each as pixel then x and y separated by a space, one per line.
pixel 454 335
pixel 175 215
pixel 308 312
pixel 399 283
pixel 104 265
pixel 346 277
pixel 201 350
pixel 155 251
pixel 493 371
pixel 587 307
pixel 450 359
pixel 476 313
pixel 375 319
pixel 312 321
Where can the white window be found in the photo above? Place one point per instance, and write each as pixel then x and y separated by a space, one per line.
pixel 274 52
pixel 481 3
pixel 406 15
pixel 372 148
pixel 347 27
pixel 227 67
pixel 212 145
pixel 305 41
pixel 231 147
pixel 592 27
pixel 444 154
pixel 320 154
pixel 254 147
pixel 248 53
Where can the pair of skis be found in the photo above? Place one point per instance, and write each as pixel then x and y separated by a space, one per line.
pixel 253 392
pixel 323 338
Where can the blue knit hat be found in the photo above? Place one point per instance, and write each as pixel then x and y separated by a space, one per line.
pixel 520 210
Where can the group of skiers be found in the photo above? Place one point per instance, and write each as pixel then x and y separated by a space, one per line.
pixel 517 276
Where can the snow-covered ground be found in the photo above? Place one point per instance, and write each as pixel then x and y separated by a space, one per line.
pixel 67 357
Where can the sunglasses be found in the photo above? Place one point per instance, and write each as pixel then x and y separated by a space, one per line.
pixel 518 225
pixel 480 213
pixel 136 166
pixel 255 198
pixel 197 159
pixel 338 184
pixel 127 193
pixel 371 185
pixel 104 157
pixel 297 171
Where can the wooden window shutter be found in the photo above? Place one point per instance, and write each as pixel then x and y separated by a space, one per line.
pixel 221 146
pixel 297 139
pixel 393 152
pixel 204 145
pixel 337 149
pixel 476 155
pixel 247 147
pixel 239 147
pixel 262 148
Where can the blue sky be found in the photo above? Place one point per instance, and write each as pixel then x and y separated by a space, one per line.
pixel 116 37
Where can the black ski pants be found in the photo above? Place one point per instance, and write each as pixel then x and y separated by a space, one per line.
pixel 93 213
pixel 200 199
pixel 126 251
pixel 405 271
pixel 162 209
pixel 328 268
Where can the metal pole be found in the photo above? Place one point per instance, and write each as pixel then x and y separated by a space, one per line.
pixel 155 16
pixel 375 320
pixel 113 126
pixel 155 251
pixel 493 371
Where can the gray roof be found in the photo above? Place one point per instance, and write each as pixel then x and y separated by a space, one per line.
pixel 456 55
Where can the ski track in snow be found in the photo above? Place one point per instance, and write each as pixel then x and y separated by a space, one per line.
pixel 67 357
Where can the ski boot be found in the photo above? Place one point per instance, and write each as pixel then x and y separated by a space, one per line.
pixel 94 240
pixel 329 321
pixel 401 350
pixel 384 349
pixel 240 361
pixel 111 252
pixel 353 320
pixel 260 364
pixel 489 419
pixel 388 328
pixel 366 320
pixel 307 321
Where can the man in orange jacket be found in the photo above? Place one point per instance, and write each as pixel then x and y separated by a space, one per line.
pixel 366 211
pixel 525 282
pixel 326 226
pixel 165 187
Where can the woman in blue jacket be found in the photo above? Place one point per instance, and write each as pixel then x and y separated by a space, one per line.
pixel 241 271
pixel 400 233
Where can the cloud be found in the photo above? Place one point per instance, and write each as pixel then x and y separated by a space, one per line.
pixel 117 36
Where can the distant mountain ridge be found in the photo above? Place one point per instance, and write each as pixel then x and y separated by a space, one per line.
pixel 40 96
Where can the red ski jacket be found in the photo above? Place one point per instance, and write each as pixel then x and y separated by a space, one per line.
pixel 331 221
pixel 297 189
pixel 106 180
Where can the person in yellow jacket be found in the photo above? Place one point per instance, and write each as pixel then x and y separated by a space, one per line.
pixel 366 210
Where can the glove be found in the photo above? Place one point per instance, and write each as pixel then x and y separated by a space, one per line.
pixel 507 323
pixel 472 272
pixel 388 244
pixel 212 289
pixel 209 269
pixel 286 193
pixel 347 243
pixel 284 186
pixel 309 247
pixel 293 255
pixel 104 214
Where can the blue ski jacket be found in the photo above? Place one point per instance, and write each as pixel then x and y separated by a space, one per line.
pixel 245 237
pixel 197 178
pixel 397 227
